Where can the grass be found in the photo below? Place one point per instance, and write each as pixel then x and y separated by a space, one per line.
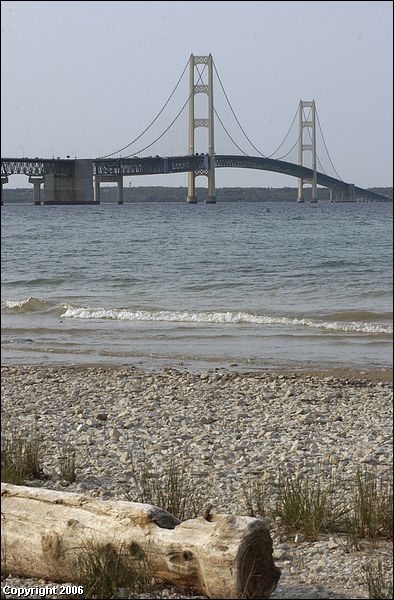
pixel 255 499
pixel 67 470
pixel 174 490
pixel 313 504
pixel 109 570
pixel 19 459
pixel 378 580
pixel 373 506
pixel 302 505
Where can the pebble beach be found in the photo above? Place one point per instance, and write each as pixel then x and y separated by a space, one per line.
pixel 226 429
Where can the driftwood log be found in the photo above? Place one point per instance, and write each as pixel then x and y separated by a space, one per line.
pixel 221 556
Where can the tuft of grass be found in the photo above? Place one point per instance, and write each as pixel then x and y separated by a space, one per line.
pixel 175 490
pixel 67 469
pixel 19 459
pixel 302 506
pixel 313 503
pixel 255 498
pixel 378 580
pixel 373 506
pixel 112 571
pixel 310 504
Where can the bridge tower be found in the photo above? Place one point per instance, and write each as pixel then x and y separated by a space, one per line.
pixel 201 88
pixel 305 125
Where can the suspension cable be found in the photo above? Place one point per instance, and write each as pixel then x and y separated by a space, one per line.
pixel 284 139
pixel 243 131
pixel 321 166
pixel 170 125
pixel 291 149
pixel 231 138
pixel 299 139
pixel 220 120
pixel 246 154
pixel 162 134
pixel 325 145
pixel 152 122
pixel 235 116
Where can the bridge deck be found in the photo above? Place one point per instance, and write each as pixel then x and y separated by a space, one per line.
pixel 156 165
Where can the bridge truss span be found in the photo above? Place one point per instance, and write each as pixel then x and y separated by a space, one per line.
pixel 37 167
pixel 150 165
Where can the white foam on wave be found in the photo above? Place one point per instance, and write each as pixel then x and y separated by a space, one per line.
pixel 227 317
pixel 25 305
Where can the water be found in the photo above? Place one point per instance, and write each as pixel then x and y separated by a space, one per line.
pixel 256 285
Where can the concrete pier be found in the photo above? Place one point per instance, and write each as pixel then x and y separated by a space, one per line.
pixel 108 178
pixel 83 181
pixel 3 180
pixel 36 181
pixel 300 194
pixel 75 188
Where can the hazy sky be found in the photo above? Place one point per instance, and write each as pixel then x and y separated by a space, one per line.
pixel 85 78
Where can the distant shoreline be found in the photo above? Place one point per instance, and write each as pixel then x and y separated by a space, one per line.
pixel 154 194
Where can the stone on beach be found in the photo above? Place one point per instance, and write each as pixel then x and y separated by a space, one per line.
pixel 225 429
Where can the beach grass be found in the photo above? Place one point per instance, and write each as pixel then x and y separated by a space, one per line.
pixel 19 458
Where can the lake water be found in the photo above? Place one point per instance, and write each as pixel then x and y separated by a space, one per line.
pixel 256 285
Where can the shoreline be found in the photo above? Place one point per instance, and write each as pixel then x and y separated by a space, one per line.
pixel 371 374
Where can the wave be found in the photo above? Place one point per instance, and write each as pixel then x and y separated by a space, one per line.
pixel 30 304
pixel 222 318
pixel 358 315
pixel 350 321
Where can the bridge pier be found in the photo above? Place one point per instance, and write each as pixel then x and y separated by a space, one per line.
pixel 344 193
pixel 36 181
pixel 350 193
pixel 120 190
pixel 191 188
pixel 96 189
pixel 75 187
pixel 300 195
pixel 83 181
pixel 191 195
pixel 59 189
pixel 3 180
pixel 111 179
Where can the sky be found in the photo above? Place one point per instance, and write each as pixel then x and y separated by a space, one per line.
pixel 86 78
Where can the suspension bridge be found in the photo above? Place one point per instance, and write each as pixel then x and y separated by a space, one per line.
pixel 77 181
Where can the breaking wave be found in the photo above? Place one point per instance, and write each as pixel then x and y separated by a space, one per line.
pixel 26 305
pixel 228 317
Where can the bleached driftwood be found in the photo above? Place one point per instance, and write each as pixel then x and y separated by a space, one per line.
pixel 43 531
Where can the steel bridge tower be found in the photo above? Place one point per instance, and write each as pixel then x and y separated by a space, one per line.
pixel 305 124
pixel 201 88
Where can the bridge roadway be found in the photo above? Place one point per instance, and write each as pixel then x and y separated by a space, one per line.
pixel 118 167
